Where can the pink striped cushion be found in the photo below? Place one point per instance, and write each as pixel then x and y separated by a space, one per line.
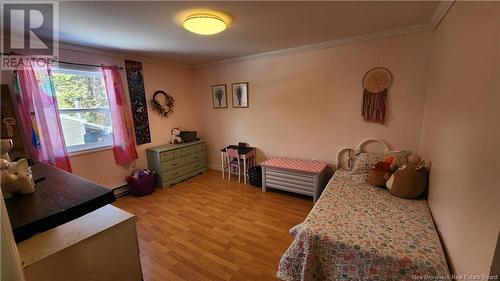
pixel 313 167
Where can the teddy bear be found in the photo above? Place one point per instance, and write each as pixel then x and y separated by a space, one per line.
pixel 176 136
pixel 381 171
pixel 381 174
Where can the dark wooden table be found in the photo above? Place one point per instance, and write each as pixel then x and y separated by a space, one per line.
pixel 247 153
pixel 241 149
pixel 59 198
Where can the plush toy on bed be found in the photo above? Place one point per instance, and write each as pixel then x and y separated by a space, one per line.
pixel 381 171
pixel 409 180
pixel 176 136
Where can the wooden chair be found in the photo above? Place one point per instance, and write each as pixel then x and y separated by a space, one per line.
pixel 234 162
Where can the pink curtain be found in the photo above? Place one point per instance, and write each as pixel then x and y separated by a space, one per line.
pixel 121 116
pixel 40 116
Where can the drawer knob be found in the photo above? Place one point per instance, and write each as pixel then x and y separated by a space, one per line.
pixel 174 164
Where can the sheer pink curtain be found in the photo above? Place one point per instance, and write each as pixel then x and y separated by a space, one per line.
pixel 40 116
pixel 121 116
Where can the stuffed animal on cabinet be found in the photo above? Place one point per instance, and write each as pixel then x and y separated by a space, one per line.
pixel 176 136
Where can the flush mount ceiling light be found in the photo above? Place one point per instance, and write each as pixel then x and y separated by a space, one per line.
pixel 204 24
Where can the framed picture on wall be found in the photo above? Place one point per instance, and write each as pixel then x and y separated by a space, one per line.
pixel 240 94
pixel 219 96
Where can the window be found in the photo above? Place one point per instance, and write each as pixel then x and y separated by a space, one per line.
pixel 83 108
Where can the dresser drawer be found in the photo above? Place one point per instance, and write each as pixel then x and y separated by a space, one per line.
pixel 172 174
pixel 174 163
pixel 199 147
pixel 196 157
pixel 202 164
pixel 179 153
pixel 187 151
pixel 167 155
pixel 175 154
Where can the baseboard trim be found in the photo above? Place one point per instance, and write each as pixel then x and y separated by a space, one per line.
pixel 215 167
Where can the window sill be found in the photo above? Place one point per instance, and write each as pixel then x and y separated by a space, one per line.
pixel 90 150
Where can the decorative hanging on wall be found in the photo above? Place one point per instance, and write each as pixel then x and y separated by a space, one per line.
pixel 10 128
pixel 163 109
pixel 376 82
pixel 135 80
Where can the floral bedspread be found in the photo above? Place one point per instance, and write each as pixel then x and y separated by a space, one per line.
pixel 357 231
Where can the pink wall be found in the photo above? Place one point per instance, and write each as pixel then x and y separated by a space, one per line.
pixel 461 132
pixel 307 105
pixel 100 166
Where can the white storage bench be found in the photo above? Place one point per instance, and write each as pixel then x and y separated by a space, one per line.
pixel 297 176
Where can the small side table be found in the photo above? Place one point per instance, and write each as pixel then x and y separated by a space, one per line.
pixel 297 176
pixel 246 153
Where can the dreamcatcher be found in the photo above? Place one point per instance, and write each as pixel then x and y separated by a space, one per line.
pixel 376 82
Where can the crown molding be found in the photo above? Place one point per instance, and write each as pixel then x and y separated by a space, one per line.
pixel 121 55
pixel 433 23
pixel 323 45
pixel 438 15
pixel 114 54
pixel 440 12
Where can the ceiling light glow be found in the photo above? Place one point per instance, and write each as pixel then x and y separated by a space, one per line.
pixel 204 24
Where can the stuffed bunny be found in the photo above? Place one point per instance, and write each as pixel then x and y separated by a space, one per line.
pixel 16 177
pixel 176 136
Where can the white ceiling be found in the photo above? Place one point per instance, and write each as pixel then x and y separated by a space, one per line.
pixel 153 28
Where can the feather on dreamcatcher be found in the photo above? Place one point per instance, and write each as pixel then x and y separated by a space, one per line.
pixel 376 82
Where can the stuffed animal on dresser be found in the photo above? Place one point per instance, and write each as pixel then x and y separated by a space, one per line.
pixel 176 136
pixel 16 177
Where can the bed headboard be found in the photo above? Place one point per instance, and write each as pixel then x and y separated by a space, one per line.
pixel 346 155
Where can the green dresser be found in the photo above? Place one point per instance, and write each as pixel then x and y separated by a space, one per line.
pixel 177 162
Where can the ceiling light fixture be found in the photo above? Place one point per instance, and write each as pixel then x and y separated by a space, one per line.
pixel 204 24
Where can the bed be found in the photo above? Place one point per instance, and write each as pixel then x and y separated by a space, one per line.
pixel 357 231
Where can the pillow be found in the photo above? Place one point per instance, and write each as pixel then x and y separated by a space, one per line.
pixel 364 161
pixel 409 181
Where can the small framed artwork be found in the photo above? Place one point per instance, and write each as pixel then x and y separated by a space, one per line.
pixel 219 96
pixel 240 94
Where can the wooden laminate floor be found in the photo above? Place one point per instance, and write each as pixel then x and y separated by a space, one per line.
pixel 207 228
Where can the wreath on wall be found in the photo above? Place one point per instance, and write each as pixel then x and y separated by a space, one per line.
pixel 163 109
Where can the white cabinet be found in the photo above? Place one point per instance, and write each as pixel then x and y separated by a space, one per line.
pixel 99 246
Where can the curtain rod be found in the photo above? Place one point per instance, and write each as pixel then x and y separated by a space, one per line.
pixel 66 62
pixel 83 64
